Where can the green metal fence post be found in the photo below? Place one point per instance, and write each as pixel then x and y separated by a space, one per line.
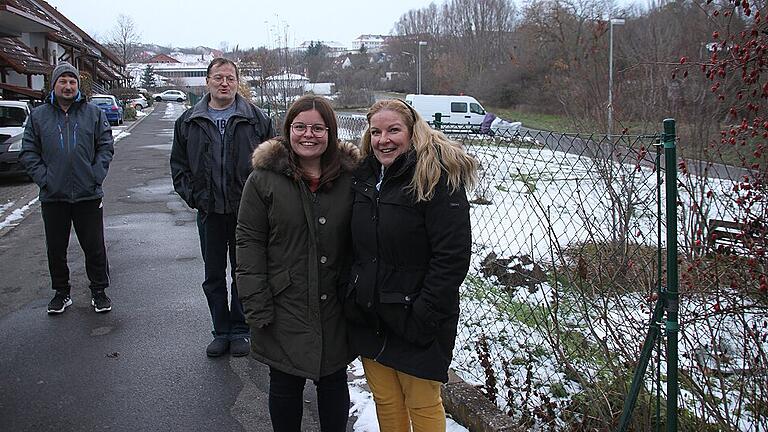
pixel 438 118
pixel 673 296
pixel 668 298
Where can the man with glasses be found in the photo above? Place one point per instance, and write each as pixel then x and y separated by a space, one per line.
pixel 210 162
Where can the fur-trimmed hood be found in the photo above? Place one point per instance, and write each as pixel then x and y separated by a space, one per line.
pixel 272 155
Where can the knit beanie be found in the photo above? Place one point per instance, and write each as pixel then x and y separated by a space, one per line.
pixel 61 69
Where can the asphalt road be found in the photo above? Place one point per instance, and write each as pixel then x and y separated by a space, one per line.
pixel 142 366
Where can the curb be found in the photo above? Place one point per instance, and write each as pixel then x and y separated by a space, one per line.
pixel 471 409
pixel 140 119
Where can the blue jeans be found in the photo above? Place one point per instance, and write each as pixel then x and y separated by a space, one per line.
pixel 217 242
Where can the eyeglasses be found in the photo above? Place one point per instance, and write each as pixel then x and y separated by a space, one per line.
pixel 218 79
pixel 318 130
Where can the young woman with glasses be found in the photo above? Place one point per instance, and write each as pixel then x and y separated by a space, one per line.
pixel 293 246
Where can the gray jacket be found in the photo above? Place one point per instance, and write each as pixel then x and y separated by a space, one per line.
pixel 67 153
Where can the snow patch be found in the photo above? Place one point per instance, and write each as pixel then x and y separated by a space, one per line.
pixel 17 214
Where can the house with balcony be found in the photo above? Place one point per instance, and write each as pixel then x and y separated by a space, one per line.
pixel 35 37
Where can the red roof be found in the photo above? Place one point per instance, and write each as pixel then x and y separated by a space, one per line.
pixel 108 73
pixel 105 51
pixel 20 58
pixel 24 91
pixel 63 36
pixel 161 58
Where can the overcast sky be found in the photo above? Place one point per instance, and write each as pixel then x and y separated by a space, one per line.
pixel 238 22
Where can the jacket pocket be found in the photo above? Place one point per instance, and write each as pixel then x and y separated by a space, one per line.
pixel 395 310
pixel 397 294
pixel 352 311
pixel 196 192
pixel 279 282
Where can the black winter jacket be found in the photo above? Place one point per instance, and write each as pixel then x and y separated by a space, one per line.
pixel 293 253
pixel 193 136
pixel 67 153
pixel 409 261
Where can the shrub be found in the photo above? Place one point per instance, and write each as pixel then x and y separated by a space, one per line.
pixel 129 113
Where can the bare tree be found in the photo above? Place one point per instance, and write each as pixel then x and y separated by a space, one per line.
pixel 124 39
pixel 465 38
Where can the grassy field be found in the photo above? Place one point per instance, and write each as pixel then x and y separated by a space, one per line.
pixel 530 120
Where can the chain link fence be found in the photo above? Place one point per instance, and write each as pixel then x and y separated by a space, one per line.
pixel 568 247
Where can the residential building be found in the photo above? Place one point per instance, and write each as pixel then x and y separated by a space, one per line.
pixel 177 69
pixel 332 48
pixel 36 37
pixel 371 43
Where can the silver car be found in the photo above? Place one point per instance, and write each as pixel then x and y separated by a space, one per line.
pixel 170 95
pixel 13 117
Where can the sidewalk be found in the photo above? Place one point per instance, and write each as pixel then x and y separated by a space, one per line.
pixel 18 197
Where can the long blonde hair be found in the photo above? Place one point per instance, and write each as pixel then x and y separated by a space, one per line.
pixel 435 153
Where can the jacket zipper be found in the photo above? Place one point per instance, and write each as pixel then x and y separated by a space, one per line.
pixel 223 167
pixel 69 151
pixel 383 347
pixel 231 124
pixel 377 194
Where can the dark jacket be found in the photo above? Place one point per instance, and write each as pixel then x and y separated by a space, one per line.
pixel 409 261
pixel 293 251
pixel 194 136
pixel 67 153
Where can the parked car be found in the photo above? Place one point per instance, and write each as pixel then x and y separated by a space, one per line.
pixel 454 109
pixel 9 156
pixel 170 95
pixel 139 103
pixel 111 107
pixel 13 118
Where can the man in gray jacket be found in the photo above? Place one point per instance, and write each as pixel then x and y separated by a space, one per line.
pixel 210 162
pixel 66 149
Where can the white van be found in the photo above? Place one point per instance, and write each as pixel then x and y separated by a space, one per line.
pixel 452 109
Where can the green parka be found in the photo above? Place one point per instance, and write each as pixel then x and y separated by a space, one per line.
pixel 293 254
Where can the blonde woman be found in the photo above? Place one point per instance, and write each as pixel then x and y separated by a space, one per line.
pixel 411 250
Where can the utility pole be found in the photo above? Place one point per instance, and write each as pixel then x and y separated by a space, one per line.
pixel 418 76
pixel 613 21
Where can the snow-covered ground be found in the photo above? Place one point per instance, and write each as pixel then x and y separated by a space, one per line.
pixel 16 215
pixel 539 203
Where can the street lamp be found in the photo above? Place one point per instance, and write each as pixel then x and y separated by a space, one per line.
pixel 413 59
pixel 614 21
pixel 418 76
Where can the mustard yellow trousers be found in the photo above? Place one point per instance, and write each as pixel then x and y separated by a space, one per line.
pixel 403 400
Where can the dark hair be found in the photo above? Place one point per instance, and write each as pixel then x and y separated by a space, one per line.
pixel 218 61
pixel 330 161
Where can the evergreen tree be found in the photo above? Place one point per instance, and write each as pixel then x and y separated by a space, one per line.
pixel 148 77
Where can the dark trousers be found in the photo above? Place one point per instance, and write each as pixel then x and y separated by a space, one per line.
pixel 88 219
pixel 286 401
pixel 217 242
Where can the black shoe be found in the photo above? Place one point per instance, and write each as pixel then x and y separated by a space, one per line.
pixel 217 347
pixel 240 347
pixel 100 302
pixel 59 302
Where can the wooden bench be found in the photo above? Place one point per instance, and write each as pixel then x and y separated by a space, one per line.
pixel 735 237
